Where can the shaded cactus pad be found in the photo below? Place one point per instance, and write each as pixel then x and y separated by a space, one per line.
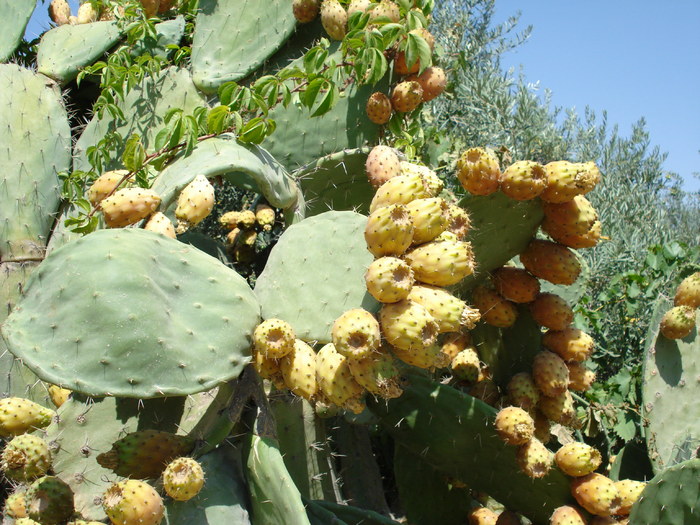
pixel 135 314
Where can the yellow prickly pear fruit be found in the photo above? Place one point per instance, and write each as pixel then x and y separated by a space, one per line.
pixel 551 311
pixel 385 9
pixel 400 189
pixel 543 427
pixel 451 313
pixel 550 373
pixel 389 279
pixel 25 458
pixel 334 19
pixel 458 221
pixel 160 223
pixel 229 220
pixel 629 491
pixel 269 369
pixel 580 377
pixel 446 236
pixel 433 81
pixel 534 459
pixel 478 171
pixel 378 108
pixel 381 165
pixel 429 218
pixel 678 322
pixel 86 13
pixel 515 284
pixel 246 219
pixel 15 505
pixel 406 96
pixel 567 179
pixel 523 180
pixel 389 230
pixel 358 6
pixel 495 310
pixel 19 415
pixel 574 217
pixel 274 338
pixel 551 261
pixel 571 344
pixel 59 12
pixel 305 11
pixel 183 478
pixel 232 236
pixel 559 408
pixel 454 343
pixel 104 185
pixel 356 334
pixel 58 395
pixel 441 263
pixel 522 392
pixel 688 292
pixel 335 380
pixel 132 501
pixel 128 206
pixel 466 365
pixel 194 204
pixel 482 516
pixel 567 515
pixel 514 426
pixel 377 373
pixel 299 370
pixel 433 184
pixel 597 494
pixel 265 216
pixel 577 459
pixel 427 357
pixel 408 325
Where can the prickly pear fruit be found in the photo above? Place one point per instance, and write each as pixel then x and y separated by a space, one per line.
pixel 427 357
pixel 522 392
pixel 408 325
pixel 246 219
pixel 534 459
pixel 576 216
pixel 128 206
pixel 358 6
pixel 551 261
pixel 580 377
pixel 629 491
pixel 299 370
pixel 25 457
pixel 688 292
pixel 159 223
pixel 454 343
pixel 678 322
pixel 597 494
pixel 58 395
pixel 15 504
pixel 543 427
pixel 389 279
pixel 451 313
pixel 429 218
pixel 458 221
pixel 571 344
pixel 356 333
pixel 441 263
pixel 183 478
pixel 508 518
pixel 432 183
pixel 567 179
pixel 400 189
pixel 495 310
pixel 334 19
pixel 377 373
pixel 482 516
pixel 86 13
pixel 274 338
pixel 433 81
pixel 523 180
pixel 268 368
pixel 49 501
pixel 577 459
pixel 229 220
pixel 550 373
pixel 466 365
pixel 19 415
pixel 514 425
pixel 406 96
pixel 194 204
pixel 515 284
pixel 145 453
pixel 381 165
pixel 551 311
pixel 389 230
pixel 335 380
pixel 559 408
pixel 486 390
pixel 265 216
pixel 378 108
pixel 133 502
pixel 386 9
pixel 305 11
pixel 478 171
pixel 104 185
pixel 572 240
pixel 28 521
pixel 59 12
pixel 567 515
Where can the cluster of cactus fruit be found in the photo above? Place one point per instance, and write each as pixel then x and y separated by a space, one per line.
pixel 179 394
pixel 679 321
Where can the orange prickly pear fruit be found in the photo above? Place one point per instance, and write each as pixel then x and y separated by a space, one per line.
pixel 550 373
pixel 441 263
pixel 551 261
pixel 551 311
pixel 678 322
pixel 305 11
pixel 406 96
pixel 523 180
pixel 389 279
pixel 334 19
pixel 183 478
pixel 104 185
pixel 534 459
pixel 478 171
pixel 299 370
pixel 597 494
pixel 580 377
pixel 433 81
pixel 514 425
pixel 381 165
pixel 389 230
pixel 487 391
pixel 378 108
pixel 522 392
pixel 159 223
pixel 128 206
pixel 543 427
pixel 132 501
pixel 567 516
pixel 274 338
pixel 567 179
pixel 515 284
pixel 688 292
pixel 571 344
pixel 495 310
pixel 19 415
pixel 482 516
pixel 573 240
pixel 356 333
pixel 576 216
pixel 559 408
pixel 577 459
pixel 629 491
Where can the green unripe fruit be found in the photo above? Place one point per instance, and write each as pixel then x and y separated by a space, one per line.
pixel 441 263
pixel 678 322
pixel 688 292
pixel 25 458
pixel 49 500
pixel 377 373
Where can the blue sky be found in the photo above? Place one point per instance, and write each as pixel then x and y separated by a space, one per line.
pixel 632 58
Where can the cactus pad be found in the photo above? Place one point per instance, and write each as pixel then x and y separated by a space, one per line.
pixel 15 15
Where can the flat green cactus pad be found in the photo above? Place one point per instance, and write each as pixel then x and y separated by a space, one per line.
pixel 132 313
pixel 15 15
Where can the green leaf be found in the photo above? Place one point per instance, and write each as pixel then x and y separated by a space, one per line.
pixel 217 119
pixel 134 153
pixel 308 96
pixel 328 101
pixel 417 49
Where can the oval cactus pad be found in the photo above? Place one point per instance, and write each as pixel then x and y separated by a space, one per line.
pixel 316 272
pixel 132 313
